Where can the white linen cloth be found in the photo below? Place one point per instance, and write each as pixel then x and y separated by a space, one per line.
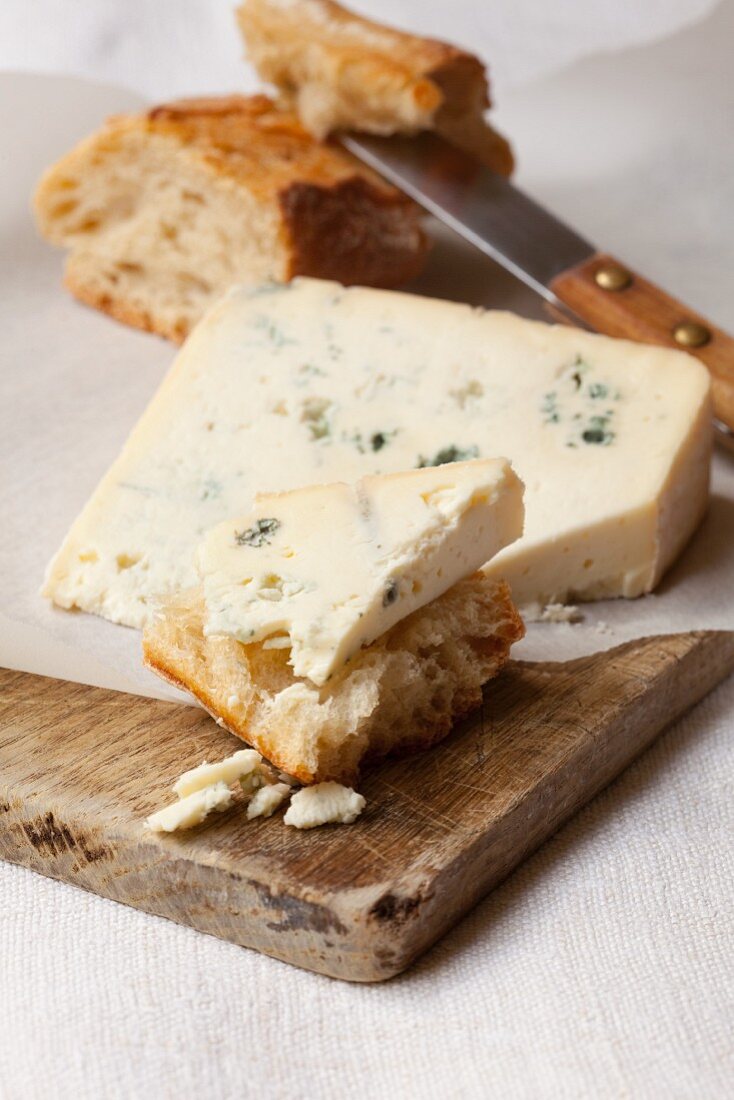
pixel 603 967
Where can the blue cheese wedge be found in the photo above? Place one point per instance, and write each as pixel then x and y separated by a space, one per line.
pixel 281 387
pixel 327 569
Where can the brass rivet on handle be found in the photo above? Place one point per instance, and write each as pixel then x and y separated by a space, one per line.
pixel 612 277
pixel 690 334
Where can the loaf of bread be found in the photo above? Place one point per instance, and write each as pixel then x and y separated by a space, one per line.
pixel 163 211
pixel 403 692
pixel 342 72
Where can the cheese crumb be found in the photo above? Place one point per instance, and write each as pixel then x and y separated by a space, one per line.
pixel 266 800
pixel 191 810
pixel 229 770
pixel 551 613
pixel 324 804
pixel 253 781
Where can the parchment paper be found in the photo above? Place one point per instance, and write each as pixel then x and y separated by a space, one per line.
pixel 74 382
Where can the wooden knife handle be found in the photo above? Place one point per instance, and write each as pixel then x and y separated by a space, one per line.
pixel 614 300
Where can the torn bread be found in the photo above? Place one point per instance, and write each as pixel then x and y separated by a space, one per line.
pixel 163 211
pixel 342 72
pixel 403 692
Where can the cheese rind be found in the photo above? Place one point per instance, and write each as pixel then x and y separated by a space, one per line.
pixel 326 570
pixel 305 384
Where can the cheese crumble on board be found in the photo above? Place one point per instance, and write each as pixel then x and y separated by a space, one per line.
pixel 266 801
pixel 191 810
pixel 324 804
pixel 206 789
pixel 244 763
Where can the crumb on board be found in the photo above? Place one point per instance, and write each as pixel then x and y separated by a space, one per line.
pixel 267 799
pixel 324 804
pixel 206 788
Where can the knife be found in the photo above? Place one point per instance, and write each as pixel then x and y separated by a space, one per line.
pixel 580 285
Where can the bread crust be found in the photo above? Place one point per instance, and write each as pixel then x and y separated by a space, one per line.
pixel 255 143
pixel 345 233
pixel 434 72
pixel 335 218
pixel 170 661
pixel 342 71
pixel 121 309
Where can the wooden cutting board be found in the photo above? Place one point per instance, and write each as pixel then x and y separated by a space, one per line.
pixel 80 768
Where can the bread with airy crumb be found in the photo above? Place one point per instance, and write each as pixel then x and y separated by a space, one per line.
pixel 404 692
pixel 342 72
pixel 163 211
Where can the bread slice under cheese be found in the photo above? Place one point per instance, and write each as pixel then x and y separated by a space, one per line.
pixel 342 72
pixel 404 692
pixel 163 211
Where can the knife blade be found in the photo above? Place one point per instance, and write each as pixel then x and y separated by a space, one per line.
pixel 586 287
pixel 481 206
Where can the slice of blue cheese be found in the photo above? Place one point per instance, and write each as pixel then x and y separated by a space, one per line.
pixel 281 387
pixel 327 569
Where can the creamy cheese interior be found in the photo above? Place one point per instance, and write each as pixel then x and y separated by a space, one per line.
pixel 281 387
pixel 325 570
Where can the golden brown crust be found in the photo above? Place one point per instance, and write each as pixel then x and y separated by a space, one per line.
pixel 252 141
pixel 341 71
pixel 340 219
pixel 473 135
pixel 170 663
pixel 347 233
pixel 437 70
pixel 121 309
pixel 221 714
pixel 336 219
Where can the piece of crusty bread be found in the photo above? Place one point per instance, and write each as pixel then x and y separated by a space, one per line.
pixel 164 211
pixel 342 72
pixel 403 692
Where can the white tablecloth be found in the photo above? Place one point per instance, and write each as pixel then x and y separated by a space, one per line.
pixel 603 967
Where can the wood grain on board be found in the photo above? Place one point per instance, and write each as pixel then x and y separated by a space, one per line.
pixel 81 767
